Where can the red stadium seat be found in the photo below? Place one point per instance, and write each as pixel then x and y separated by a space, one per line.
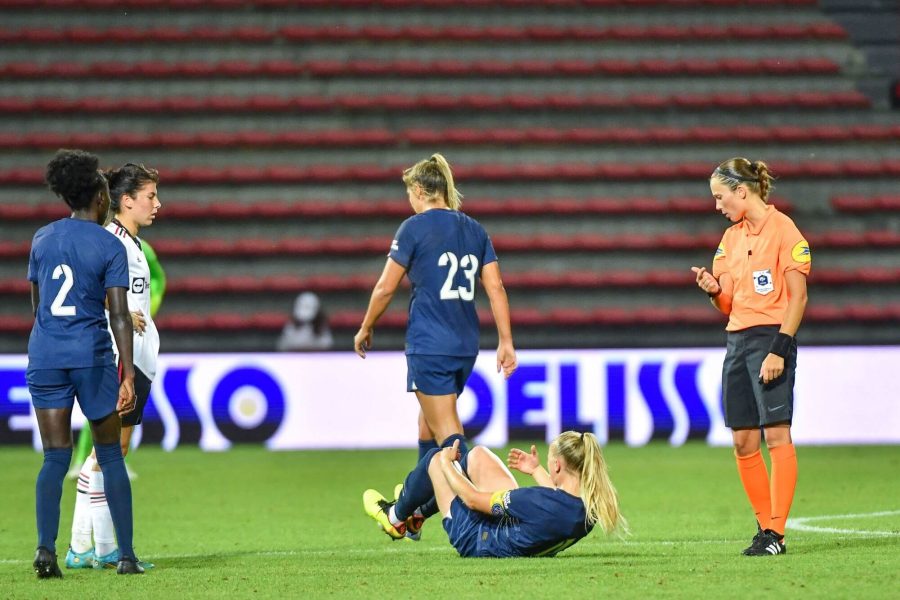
pixel 386 34
pixel 324 209
pixel 854 204
pixel 726 67
pixel 14 249
pixel 527 280
pixel 400 102
pixel 826 31
pixel 324 173
pixel 281 68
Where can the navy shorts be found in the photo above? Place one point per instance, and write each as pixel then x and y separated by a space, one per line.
pixel 438 375
pixel 464 527
pixel 746 401
pixel 97 389
pixel 142 391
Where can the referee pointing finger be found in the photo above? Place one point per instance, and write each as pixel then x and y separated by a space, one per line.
pixel 758 280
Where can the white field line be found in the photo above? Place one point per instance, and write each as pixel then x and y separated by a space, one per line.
pixel 802 524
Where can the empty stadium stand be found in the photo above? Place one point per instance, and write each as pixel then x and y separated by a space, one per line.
pixel 582 133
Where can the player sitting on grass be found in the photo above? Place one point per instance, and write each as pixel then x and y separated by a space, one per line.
pixel 486 513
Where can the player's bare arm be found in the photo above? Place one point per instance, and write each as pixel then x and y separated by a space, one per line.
pixel 493 286
pixel 381 298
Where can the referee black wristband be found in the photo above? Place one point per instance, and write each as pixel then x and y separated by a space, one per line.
pixel 781 345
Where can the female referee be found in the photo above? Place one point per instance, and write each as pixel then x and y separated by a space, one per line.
pixel 485 512
pixel 443 252
pixel 73 267
pixel 134 202
pixel 759 282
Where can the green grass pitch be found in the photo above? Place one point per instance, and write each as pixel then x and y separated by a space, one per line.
pixel 255 524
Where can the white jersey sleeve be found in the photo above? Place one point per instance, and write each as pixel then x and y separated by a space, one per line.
pixel 146 345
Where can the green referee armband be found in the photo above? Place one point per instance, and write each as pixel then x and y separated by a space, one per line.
pixel 781 345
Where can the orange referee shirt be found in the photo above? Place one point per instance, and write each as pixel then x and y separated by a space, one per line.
pixel 757 259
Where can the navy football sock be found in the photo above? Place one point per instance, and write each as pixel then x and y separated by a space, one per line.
pixel 418 491
pixel 417 488
pixel 118 495
pixel 48 493
pixel 425 446
pixel 430 508
pixel 463 447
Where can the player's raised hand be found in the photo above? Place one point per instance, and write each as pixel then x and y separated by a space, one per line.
pixel 506 360
pixel 362 341
pixel 523 461
pixel 705 280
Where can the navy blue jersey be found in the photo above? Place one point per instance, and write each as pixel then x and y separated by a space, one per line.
pixel 73 262
pixel 533 521
pixel 443 252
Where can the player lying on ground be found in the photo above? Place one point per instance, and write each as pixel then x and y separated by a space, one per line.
pixel 486 513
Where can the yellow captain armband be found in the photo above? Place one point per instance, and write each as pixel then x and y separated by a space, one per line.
pixel 499 503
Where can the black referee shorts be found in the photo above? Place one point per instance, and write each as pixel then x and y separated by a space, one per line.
pixel 746 401
pixel 142 391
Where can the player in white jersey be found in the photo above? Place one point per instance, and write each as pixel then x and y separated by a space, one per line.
pixel 146 338
pixel 134 203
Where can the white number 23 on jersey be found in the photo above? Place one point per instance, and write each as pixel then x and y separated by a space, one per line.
pixel 469 265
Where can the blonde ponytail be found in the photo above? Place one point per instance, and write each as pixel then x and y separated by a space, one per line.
pixel 582 454
pixel 436 179
pixel 453 197
pixel 763 178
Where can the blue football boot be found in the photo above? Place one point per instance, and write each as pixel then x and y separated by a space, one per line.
pixel 79 560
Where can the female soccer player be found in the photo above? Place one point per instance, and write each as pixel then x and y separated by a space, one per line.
pixel 443 252
pixel 157 291
pixel 73 267
pixel 134 201
pixel 485 512
pixel 759 282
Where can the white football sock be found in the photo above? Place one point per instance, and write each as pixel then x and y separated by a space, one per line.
pixel 392 517
pixel 104 532
pixel 81 520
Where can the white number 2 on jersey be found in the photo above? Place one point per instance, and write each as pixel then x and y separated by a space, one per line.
pixel 470 267
pixel 58 309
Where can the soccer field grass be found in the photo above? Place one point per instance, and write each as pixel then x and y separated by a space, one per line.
pixel 252 523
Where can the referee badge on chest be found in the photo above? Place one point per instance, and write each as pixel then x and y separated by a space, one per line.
pixel 762 281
